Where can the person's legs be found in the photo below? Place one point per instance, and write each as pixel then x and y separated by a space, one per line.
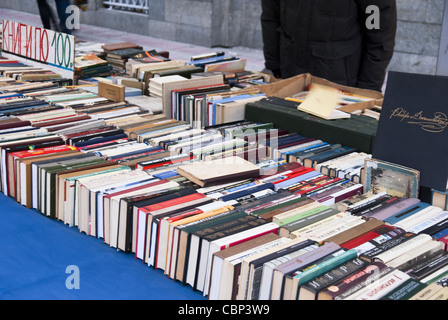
pixel 61 6
pixel 45 13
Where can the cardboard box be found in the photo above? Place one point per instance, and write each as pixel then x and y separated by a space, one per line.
pixel 284 88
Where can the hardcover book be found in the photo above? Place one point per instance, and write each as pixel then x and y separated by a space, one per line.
pixel 219 171
pixel 413 125
pixel 394 179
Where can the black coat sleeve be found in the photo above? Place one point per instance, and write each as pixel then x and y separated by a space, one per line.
pixel 270 23
pixel 378 44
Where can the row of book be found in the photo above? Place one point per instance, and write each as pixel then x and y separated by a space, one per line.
pixel 207 90
pixel 202 204
pixel 183 219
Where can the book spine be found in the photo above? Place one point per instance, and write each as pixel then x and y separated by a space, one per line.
pixel 334 275
pixel 370 254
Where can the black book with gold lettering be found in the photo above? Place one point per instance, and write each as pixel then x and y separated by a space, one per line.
pixel 413 127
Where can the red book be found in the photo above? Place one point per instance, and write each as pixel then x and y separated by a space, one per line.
pixel 444 240
pixel 172 202
pixel 11 172
pixel 296 173
pixel 307 183
pixel 317 185
pixel 15 124
pixel 162 162
pixel 366 237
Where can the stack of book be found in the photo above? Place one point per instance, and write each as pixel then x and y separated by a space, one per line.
pixel 90 65
pixel 25 72
pixel 356 131
pixel 202 101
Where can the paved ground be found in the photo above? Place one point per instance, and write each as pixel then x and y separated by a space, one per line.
pixel 178 50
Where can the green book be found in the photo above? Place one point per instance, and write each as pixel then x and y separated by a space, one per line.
pixel 296 217
pixel 302 277
pixel 354 131
pixel 306 219
pixel 49 200
pixel 406 290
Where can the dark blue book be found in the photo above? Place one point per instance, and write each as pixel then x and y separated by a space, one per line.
pixel 327 155
pixel 99 140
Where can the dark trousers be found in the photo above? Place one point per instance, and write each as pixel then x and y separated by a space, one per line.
pixel 48 18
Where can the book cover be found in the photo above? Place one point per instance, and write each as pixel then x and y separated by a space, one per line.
pixel 206 173
pixel 394 179
pixel 311 289
pixel 414 111
pixel 355 282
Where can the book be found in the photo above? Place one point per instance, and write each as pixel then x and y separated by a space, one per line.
pixel 251 273
pixel 410 244
pixel 403 119
pixel 168 87
pixel 302 261
pixel 334 152
pixel 406 213
pixel 206 173
pixel 182 230
pixel 322 101
pixel 439 198
pixel 356 231
pixel 228 241
pixel 393 209
pixel 88 61
pixel 159 210
pixel 406 260
pixel 381 247
pixel 405 291
pixel 354 131
pixel 226 265
pixel 296 279
pixel 427 292
pixel 394 179
pixel 355 282
pixel 119 45
pixel 66 190
pixel 413 221
pixel 24 176
pixel 301 220
pixel 379 288
pixel 312 289
pixel 362 239
pixel 427 267
pixel 120 222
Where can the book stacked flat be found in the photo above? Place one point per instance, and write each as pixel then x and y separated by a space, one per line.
pixel 90 65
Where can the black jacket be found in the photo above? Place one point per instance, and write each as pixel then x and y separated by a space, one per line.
pixel 329 39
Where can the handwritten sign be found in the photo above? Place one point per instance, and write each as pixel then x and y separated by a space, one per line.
pixel 43 45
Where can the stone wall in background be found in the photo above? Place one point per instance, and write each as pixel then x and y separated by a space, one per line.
pixel 230 23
